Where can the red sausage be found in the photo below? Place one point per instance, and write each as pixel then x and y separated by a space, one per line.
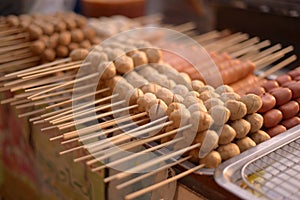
pixel 297 78
pixel 257 90
pixel 294 73
pixel 289 123
pixel 272 118
pixel 289 109
pixel 276 130
pixel 295 88
pixel 283 79
pixel 269 102
pixel 269 85
pixel 288 83
pixel 282 95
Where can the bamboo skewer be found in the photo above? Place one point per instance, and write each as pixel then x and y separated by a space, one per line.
pixel 83 97
pixel 127 158
pixel 52 71
pixel 18 63
pixel 85 112
pixel 251 48
pixel 102 134
pixel 141 177
pixel 106 143
pixel 43 69
pixel 138 143
pixel 103 125
pixel 38 103
pixel 66 84
pixel 278 66
pixel 89 119
pixel 34 120
pixel 261 63
pixel 37 83
pixel 15 47
pixel 150 163
pixel 133 130
pixel 231 42
pixel 79 107
pixel 160 184
pixel 63 92
pixel 264 53
pixel 245 44
pixel 15 74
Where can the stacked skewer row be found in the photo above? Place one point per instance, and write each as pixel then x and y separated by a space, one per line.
pixel 156 96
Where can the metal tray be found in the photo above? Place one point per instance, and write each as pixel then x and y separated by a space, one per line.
pixel 231 174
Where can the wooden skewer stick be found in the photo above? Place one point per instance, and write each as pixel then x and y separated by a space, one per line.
pixel 14 53
pixel 24 84
pixel 85 112
pixel 109 142
pixel 15 47
pixel 55 71
pixel 16 97
pixel 31 113
pixel 16 57
pixel 15 74
pixel 36 84
pixel 19 63
pixel 265 53
pixel 34 120
pixel 128 158
pixel 184 27
pixel 150 163
pixel 82 139
pixel 160 184
pixel 38 103
pixel 66 84
pixel 278 66
pixel 41 70
pixel 22 101
pixel 251 48
pixel 224 40
pixel 204 38
pixel 14 37
pixel 88 119
pixel 138 143
pixel 231 42
pixel 63 92
pixel 102 133
pixel 241 45
pixel 85 96
pixel 103 125
pixel 80 106
pixel 139 178
pixel 261 63
pixel 105 131
pixel 12 42
pixel 10 31
pixel 95 144
pixel 114 150
pixel 100 126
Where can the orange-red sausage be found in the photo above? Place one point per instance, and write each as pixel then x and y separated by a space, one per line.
pixel 269 102
pixel 295 88
pixel 283 79
pixel 282 95
pixel 276 130
pixel 289 123
pixel 272 118
pixel 289 109
pixel 269 85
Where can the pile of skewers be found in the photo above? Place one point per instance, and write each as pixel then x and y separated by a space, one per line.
pixel 147 100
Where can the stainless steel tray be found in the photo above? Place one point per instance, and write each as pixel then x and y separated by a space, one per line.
pixel 250 174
